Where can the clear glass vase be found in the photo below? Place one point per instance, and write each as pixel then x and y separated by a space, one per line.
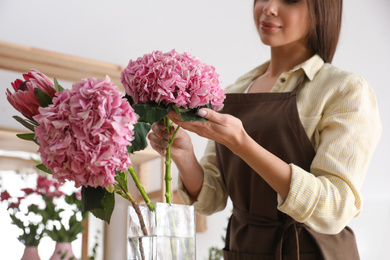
pixel 167 233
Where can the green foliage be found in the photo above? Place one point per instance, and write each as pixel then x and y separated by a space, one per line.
pixel 53 215
pixel 58 87
pixel 98 201
pixel 121 187
pixel 28 137
pixel 189 115
pixel 215 253
pixel 43 98
pixel 151 112
pixel 26 123
pixel 43 168
pixel 64 235
pixel 32 232
pixel 108 203
pixel 139 143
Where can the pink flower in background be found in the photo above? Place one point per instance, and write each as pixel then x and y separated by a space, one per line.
pixel 28 191
pixel 24 99
pixel 49 187
pixel 172 78
pixel 84 134
pixel 4 195
pixel 43 182
pixel 14 205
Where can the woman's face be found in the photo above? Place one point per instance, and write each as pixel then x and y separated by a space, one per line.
pixel 282 22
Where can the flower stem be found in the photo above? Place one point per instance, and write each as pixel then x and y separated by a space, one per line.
pixel 141 189
pixel 136 208
pixel 168 161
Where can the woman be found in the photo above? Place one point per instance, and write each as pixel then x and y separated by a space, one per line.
pixel 292 145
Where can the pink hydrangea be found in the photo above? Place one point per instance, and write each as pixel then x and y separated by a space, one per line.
pixel 172 78
pixel 84 134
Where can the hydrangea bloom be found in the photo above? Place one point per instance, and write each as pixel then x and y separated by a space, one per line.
pixel 84 134
pixel 172 78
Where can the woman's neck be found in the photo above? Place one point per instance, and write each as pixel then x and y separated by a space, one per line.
pixel 284 59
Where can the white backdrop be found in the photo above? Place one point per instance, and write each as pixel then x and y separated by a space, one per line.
pixel 221 33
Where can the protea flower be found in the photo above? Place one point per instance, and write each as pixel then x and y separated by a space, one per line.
pixel 24 99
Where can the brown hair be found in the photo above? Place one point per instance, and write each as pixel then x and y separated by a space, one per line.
pixel 325 20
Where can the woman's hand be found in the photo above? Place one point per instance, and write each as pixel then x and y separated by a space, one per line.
pixel 181 146
pixel 182 154
pixel 222 128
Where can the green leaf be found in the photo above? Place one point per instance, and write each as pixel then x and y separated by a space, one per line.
pixel 121 178
pixel 139 143
pixel 98 201
pixel 28 137
pixel 75 227
pixel 91 198
pixel 25 123
pixel 151 112
pixel 108 203
pixel 43 168
pixel 58 86
pixel 43 98
pixel 189 115
pixel 17 221
pixel 129 99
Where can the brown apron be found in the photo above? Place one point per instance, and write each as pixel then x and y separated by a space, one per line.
pixel 257 229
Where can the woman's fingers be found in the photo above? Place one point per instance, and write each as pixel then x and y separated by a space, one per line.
pixel 160 129
pixel 157 143
pixel 158 137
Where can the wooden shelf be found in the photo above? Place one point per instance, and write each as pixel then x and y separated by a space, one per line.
pixel 9 141
pixel 22 58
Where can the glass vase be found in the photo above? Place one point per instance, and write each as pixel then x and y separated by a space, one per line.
pixel 167 233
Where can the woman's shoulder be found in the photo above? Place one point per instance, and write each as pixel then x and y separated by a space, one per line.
pixel 331 79
pixel 340 77
pixel 339 91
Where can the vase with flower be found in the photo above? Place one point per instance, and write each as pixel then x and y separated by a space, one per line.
pixel 155 84
pixel 36 208
pixel 64 216
pixel 86 134
pixel 28 215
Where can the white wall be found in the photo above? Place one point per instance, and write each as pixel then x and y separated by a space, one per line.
pixel 221 33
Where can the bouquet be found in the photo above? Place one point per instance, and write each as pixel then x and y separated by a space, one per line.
pixel 83 134
pixel 158 82
pixel 86 133
pixel 36 211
